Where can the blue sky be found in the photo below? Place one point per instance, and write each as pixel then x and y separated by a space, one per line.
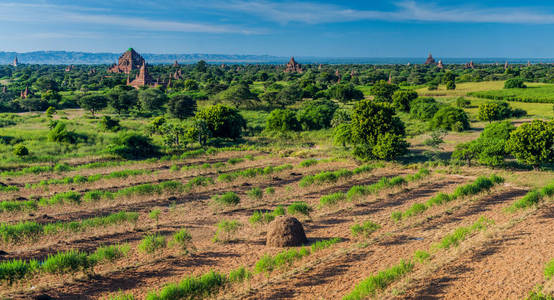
pixel 388 28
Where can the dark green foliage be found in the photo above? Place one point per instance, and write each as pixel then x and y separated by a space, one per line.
pixel 514 83
pixel 376 131
pixel 93 103
pixel 533 143
pixel 226 231
pixel 282 120
pixel 151 99
pixel 181 106
pixel 61 134
pixel 383 91
pixel 424 108
pixel 20 150
pixel 238 94
pixel 122 98
pixel 401 99
pixel 451 85
pixel 13 270
pixel 132 145
pixel 316 114
pixel 109 123
pixel 450 118
pixel 462 102
pixel 345 93
pixel 222 121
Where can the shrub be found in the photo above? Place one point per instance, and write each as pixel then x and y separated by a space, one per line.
pixel 345 93
pixel 462 102
pixel 133 146
pixel 152 243
pixel 531 198
pixel 199 181
pixel 222 121
pixel 514 83
pixel 270 190
pixel 401 99
pixel 450 118
pixel 308 163
pixel 299 207
pixel 383 91
pixel 107 123
pixel 365 229
pixel 533 143
pixel 229 198
pixel 155 215
pixel 493 111
pixel 423 108
pixel 20 150
pixel 269 263
pixel 181 106
pixel 109 253
pixel 226 230
pixel 282 120
pixel 316 114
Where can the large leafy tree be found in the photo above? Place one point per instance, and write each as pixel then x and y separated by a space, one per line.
pixel 93 103
pixel 238 94
pixel 122 98
pixel 376 131
pixel 151 99
pixel 345 93
pixel 383 91
pixel 222 121
pixel 401 99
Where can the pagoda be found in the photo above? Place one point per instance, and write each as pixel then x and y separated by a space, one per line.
pixel 15 62
pixel 293 67
pixel 430 60
pixel 26 93
pixel 142 79
pixel 439 65
pixel 128 61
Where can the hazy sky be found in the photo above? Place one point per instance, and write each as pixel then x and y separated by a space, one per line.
pixel 403 28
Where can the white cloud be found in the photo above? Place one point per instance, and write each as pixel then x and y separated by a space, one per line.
pixel 316 13
pixel 63 15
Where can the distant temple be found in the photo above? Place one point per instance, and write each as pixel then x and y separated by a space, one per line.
pixel 69 68
pixel 439 65
pixel 26 93
pixel 143 78
pixel 470 65
pixel 430 60
pixel 15 62
pixel 293 67
pixel 390 78
pixel 128 61
pixel 506 65
pixel 3 89
pixel 176 64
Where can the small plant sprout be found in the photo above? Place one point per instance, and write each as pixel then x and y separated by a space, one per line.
pixel 255 193
pixel 226 231
pixel 155 215
pixel 182 239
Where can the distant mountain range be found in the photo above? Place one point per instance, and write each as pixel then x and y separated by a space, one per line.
pixel 65 58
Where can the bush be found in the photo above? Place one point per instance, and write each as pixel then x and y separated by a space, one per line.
pixel 222 121
pixel 20 150
pixel 382 91
pixel 316 114
pixel 109 253
pixel 229 198
pixel 345 93
pixel 462 102
pixel 282 120
pixel 424 108
pixel 181 106
pixel 152 243
pixel 133 146
pixel 107 123
pixel 493 111
pixel 450 118
pixel 401 99
pixel 514 83
pixel 533 143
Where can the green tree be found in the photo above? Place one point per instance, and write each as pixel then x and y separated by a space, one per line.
pixel 222 121
pixel 131 145
pixel 45 83
pixel 122 98
pixel 450 85
pixel 401 99
pixel 493 111
pixel 450 118
pixel 282 120
pixel 238 94
pixel 191 85
pixel 514 83
pixel 373 123
pixel 50 112
pixel 345 93
pixel 181 106
pixel 93 103
pixel 383 91
pixel 151 99
pixel 533 143
pixel 288 95
pixel 316 114
pixel 20 150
